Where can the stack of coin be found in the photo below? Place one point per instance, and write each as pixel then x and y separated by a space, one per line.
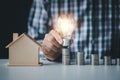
pixel 65 52
pixel 107 60
pixel 118 61
pixel 94 59
pixel 65 56
pixel 80 58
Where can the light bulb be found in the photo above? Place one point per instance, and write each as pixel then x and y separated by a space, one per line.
pixel 65 25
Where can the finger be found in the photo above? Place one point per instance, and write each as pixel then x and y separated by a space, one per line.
pixel 51 47
pixel 46 51
pixel 56 36
pixel 49 55
pixel 50 42
pixel 53 41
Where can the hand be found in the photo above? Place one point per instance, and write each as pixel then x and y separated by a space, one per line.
pixel 52 45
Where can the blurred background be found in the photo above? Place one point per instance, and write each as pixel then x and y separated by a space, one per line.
pixel 13 18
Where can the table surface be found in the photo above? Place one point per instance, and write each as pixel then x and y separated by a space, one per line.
pixel 57 71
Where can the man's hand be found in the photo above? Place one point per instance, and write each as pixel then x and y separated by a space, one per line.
pixel 52 45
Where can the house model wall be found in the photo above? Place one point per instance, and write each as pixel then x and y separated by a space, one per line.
pixel 23 50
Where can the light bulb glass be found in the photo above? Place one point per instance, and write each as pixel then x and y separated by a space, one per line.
pixel 65 25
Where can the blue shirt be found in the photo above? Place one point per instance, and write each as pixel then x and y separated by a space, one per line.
pixel 99 23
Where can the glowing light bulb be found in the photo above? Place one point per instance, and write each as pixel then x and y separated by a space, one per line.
pixel 65 25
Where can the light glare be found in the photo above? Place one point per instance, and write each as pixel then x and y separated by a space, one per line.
pixel 65 25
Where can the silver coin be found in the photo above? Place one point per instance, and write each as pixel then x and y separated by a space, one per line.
pixel 65 56
pixel 107 60
pixel 118 61
pixel 94 59
pixel 80 58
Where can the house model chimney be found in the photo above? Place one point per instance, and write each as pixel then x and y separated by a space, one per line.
pixel 15 36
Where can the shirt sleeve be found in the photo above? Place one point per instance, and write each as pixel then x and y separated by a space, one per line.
pixel 38 20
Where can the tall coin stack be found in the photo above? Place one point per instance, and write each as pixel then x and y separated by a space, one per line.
pixel 94 59
pixel 65 52
pixel 107 60
pixel 80 58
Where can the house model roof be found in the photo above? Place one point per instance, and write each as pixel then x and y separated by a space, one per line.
pixel 24 34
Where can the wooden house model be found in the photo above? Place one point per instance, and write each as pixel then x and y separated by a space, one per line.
pixel 23 50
